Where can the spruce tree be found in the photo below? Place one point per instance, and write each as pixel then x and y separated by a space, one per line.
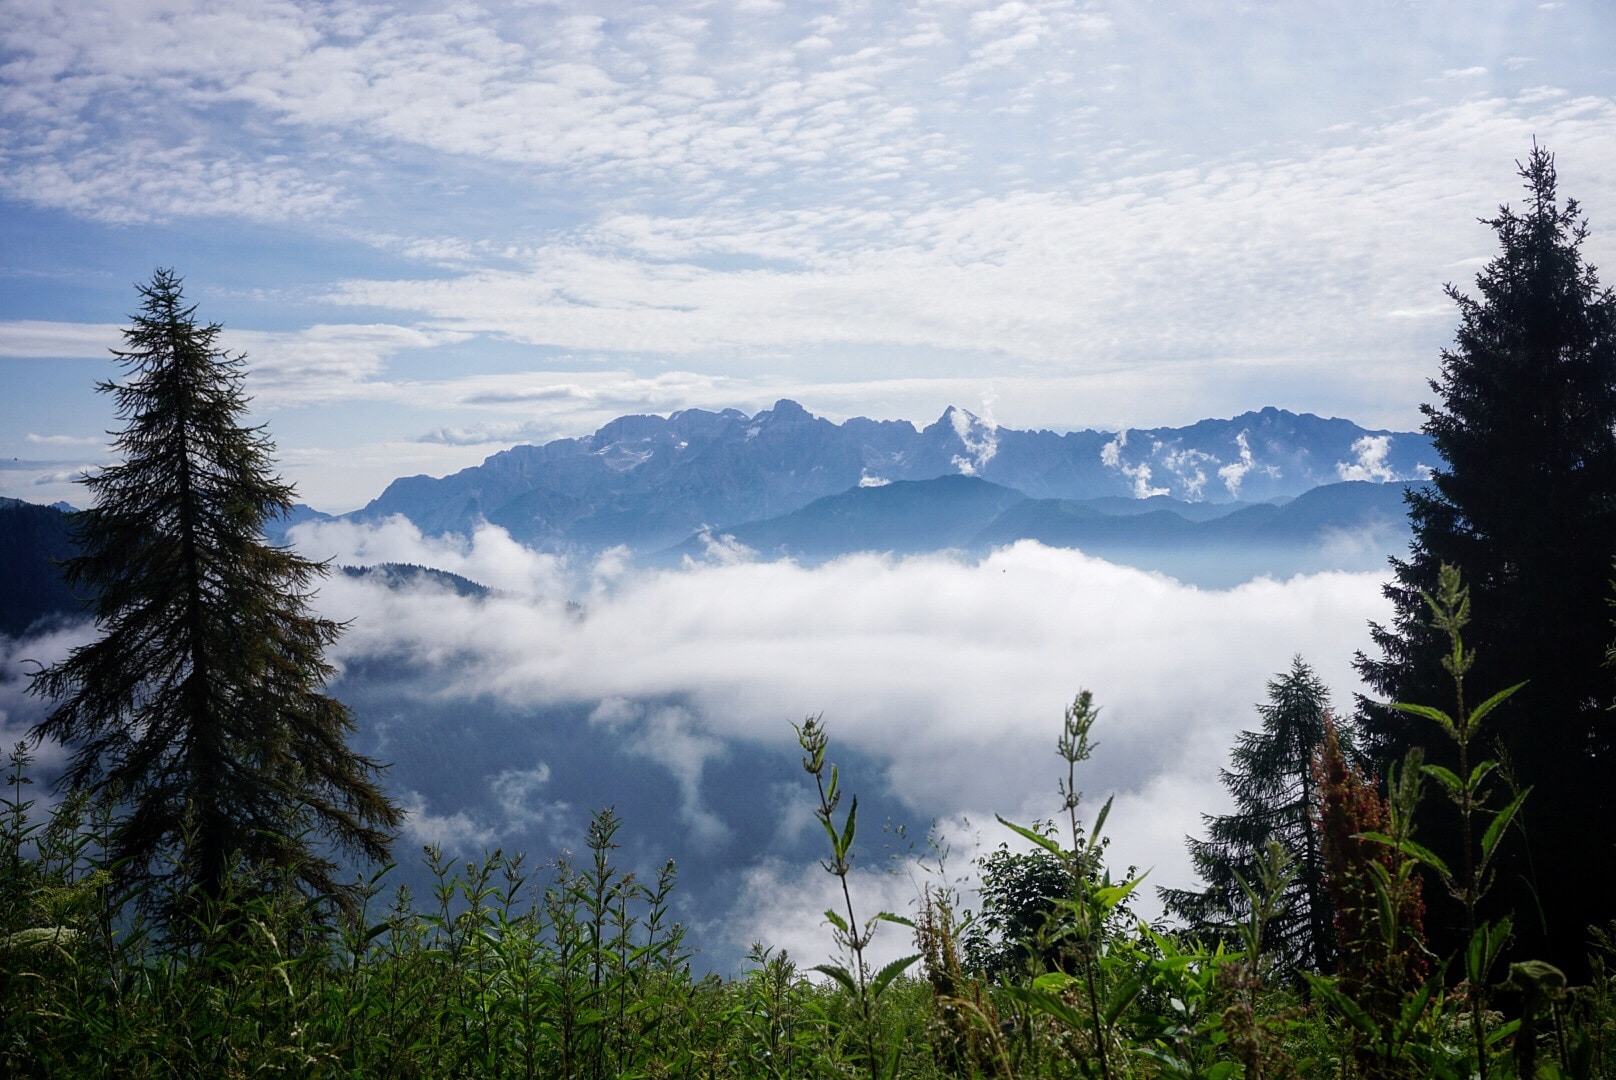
pixel 1525 506
pixel 199 709
pixel 1271 778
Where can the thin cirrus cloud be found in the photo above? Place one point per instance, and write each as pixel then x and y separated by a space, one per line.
pixel 1136 204
pixel 320 363
pixel 508 86
pixel 1230 260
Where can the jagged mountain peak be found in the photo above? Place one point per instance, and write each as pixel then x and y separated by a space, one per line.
pixel 648 481
pixel 785 411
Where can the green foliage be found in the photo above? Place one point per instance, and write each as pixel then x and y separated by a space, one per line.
pixel 853 974
pixel 199 709
pixel 1467 790
pixel 1019 890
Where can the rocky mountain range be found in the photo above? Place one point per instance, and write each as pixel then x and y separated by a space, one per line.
pixel 1213 503
pixel 650 482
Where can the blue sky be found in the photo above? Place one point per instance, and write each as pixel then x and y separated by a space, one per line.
pixel 437 230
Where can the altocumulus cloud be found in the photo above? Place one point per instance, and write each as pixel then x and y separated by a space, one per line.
pixel 950 676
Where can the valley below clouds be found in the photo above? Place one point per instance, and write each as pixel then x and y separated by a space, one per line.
pixel 669 694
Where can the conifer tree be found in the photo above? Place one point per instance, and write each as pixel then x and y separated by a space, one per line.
pixel 199 709
pixel 1272 781
pixel 1525 506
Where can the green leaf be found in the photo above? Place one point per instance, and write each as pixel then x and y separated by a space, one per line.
pixel 1495 831
pixel 1099 820
pixel 836 920
pixel 1480 711
pixel 847 830
pixel 1430 713
pixel 1121 998
pixel 1481 772
pixel 1053 1006
pixel 1408 847
pixel 887 916
pixel 830 831
pixel 1448 778
pixel 840 974
pixel 1385 910
pixel 1053 982
pixel 884 977
pixel 1356 1016
pixel 1485 945
pixel 1038 838
pixel 1413 1009
pixel 1112 895
pixel 1503 1031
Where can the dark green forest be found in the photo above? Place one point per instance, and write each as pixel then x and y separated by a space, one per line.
pixel 1418 887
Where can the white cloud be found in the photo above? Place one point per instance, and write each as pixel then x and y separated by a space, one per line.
pixel 454 832
pixel 21 710
pixel 723 549
pixel 489 557
pixel 952 674
pixel 319 363
pixel 64 440
pixel 980 437
pixel 327 362
pixel 784 907
pixel 1198 269
pixel 1370 464
pixel 1234 473
pixel 1111 458
pixel 669 736
pixel 38 339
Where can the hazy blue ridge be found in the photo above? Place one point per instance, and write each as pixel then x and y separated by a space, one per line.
pixel 902 517
pixel 33 539
pixel 1348 525
pixel 275 529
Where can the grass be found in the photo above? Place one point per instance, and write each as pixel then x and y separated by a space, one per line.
pixel 578 971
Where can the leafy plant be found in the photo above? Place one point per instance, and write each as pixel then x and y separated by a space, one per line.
pixel 1468 790
pixel 851 936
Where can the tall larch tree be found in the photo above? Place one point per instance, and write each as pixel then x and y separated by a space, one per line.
pixel 1525 506
pixel 1271 779
pixel 199 710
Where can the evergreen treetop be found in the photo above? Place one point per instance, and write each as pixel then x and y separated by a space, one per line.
pixel 1271 778
pixel 199 708
pixel 1525 506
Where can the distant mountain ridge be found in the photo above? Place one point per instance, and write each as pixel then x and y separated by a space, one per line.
pixel 1351 525
pixel 33 540
pixel 1200 502
pixel 649 482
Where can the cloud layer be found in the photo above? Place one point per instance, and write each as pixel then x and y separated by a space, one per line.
pixel 948 679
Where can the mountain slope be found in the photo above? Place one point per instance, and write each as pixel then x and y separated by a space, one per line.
pixel 1348 525
pixel 904 517
pixel 32 540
